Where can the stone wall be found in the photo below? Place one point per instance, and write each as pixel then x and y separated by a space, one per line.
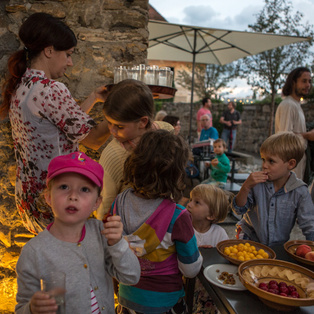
pixel 251 133
pixel 110 33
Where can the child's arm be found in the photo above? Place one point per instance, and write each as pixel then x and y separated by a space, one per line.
pixel 29 297
pixel 223 165
pixel 113 229
pixel 305 215
pixel 121 263
pixel 253 179
pixel 189 258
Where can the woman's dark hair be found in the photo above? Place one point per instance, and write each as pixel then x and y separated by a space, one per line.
pixel 128 101
pixel 39 31
pixel 292 78
pixel 156 167
pixel 173 120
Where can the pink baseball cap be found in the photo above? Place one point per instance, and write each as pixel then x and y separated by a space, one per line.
pixel 76 162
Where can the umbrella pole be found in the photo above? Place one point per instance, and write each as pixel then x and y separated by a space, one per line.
pixel 192 88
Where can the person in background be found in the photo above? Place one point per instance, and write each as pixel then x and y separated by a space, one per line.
pixel 230 119
pixel 208 131
pixel 88 251
pixel 129 111
pixel 289 114
pixel 273 199
pixel 46 120
pixel 153 224
pixel 205 109
pixel 208 206
pixel 175 122
pixel 219 166
pixel 160 115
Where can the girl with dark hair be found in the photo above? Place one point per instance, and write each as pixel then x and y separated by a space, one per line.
pixel 159 231
pixel 46 120
pixel 175 122
pixel 129 110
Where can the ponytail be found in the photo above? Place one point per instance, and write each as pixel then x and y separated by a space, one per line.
pixel 16 68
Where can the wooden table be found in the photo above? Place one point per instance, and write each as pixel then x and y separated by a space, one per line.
pixel 242 302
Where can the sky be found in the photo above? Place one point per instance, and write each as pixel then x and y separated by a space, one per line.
pixel 225 14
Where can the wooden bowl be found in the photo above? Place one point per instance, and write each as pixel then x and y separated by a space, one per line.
pixel 291 246
pixel 221 246
pixel 252 273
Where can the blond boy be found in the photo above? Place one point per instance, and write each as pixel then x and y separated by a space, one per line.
pixel 272 199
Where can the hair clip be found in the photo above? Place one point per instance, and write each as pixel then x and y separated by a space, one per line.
pixel 26 52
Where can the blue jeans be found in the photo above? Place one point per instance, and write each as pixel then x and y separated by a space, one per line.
pixel 225 135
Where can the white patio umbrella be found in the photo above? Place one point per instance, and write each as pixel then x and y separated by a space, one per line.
pixel 175 42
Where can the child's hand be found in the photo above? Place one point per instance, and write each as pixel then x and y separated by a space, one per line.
pixel 207 163
pixel 113 229
pixel 215 162
pixel 206 246
pixel 255 178
pixel 42 303
pixel 101 93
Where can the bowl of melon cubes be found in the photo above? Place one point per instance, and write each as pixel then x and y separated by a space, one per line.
pixel 239 251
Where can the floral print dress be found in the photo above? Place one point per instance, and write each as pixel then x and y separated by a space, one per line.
pixel 46 122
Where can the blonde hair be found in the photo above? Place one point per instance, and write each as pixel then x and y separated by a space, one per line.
pixel 215 198
pixel 160 115
pixel 285 145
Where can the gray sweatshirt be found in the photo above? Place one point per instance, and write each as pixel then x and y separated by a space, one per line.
pixel 90 263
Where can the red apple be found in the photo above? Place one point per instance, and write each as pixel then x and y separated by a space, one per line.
pixel 302 250
pixel 106 216
pixel 310 256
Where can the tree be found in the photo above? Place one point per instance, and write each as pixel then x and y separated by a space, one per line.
pixel 268 70
pixel 208 79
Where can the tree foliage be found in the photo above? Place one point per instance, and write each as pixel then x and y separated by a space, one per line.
pixel 267 71
pixel 209 79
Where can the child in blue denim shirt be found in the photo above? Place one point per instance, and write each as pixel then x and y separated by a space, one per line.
pixel 274 198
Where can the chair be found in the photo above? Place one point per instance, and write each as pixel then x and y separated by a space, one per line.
pixel 189 293
pixel 234 177
pixel 203 151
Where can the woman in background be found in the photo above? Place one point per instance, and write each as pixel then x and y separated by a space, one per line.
pixel 175 122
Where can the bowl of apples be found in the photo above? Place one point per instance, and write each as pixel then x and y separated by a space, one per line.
pixel 280 285
pixel 302 251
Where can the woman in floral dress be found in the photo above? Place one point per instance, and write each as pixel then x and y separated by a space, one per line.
pixel 46 120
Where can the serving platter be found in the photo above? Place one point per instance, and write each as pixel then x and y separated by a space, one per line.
pixel 254 272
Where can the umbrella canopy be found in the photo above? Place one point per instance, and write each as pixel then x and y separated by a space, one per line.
pixel 175 42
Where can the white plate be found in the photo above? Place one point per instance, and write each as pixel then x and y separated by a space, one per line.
pixel 211 274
